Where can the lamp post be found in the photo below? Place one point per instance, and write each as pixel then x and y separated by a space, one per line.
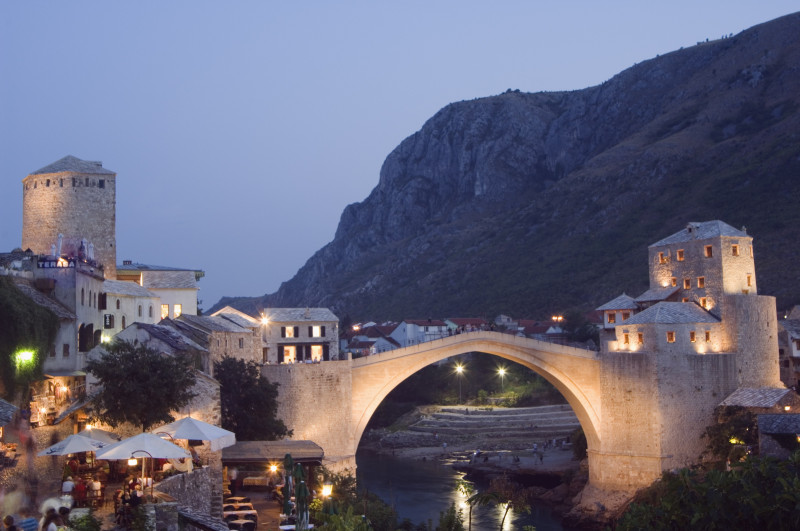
pixel 502 372
pixel 459 373
pixel 144 483
pixel 327 490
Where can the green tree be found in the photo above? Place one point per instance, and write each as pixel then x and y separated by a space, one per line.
pixel 451 520
pixel 734 430
pixel 140 385
pixel 249 401
pixel 24 327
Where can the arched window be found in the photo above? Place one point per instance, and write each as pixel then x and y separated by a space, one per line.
pixel 82 296
pixel 140 310
pixel 123 322
pixel 150 311
pixel 117 304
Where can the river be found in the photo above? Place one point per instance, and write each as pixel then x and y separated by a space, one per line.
pixel 420 490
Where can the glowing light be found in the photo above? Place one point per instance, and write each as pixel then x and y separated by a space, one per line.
pixel 787 408
pixel 273 468
pixel 89 427
pixel 459 369
pixel 327 490
pixel 132 461
pixel 62 263
pixel 734 440
pixel 557 318
pixel 356 328
pixel 265 320
pixel 104 339
pixel 23 357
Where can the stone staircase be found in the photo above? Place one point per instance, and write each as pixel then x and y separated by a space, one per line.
pixel 543 422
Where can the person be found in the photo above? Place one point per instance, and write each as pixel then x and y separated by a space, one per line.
pixel 8 523
pixel 28 522
pixel 136 496
pixel 52 521
pixel 79 492
pixel 233 476
pixel 73 465
pixel 67 486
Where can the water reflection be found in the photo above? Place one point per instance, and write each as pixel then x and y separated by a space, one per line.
pixel 421 490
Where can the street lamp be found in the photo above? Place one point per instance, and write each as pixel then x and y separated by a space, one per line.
pixel 144 483
pixel 502 372
pixel 327 490
pixel 459 372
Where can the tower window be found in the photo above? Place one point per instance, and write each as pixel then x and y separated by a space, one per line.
pixel 150 311
pixel 685 299
pixel 692 336
pixel 662 259
pixel 735 250
pixel 687 283
pixel 708 336
pixel 701 282
pixel 670 337
pixel 140 310
pixel 48 183
pixel 625 315
pixel 61 183
pixel 241 342
pixel 749 280
pixel 674 282
pixel 164 311
pixel 679 255
pixel 612 318
pixel 709 251
pixel 641 338
pixel 74 182
pixel 87 181
pixel 626 339
pixel 82 297
pixel 101 183
pixel 117 304
pixel 704 302
pixel 177 310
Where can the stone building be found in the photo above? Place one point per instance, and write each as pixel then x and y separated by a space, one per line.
pixel 71 204
pixel 175 287
pixel 702 322
pixel 297 335
pixel 789 342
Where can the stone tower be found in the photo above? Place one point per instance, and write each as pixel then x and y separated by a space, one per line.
pixel 77 199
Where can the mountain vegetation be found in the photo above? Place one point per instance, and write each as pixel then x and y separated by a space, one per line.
pixel 534 203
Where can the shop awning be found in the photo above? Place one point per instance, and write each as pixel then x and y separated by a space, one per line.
pixel 57 374
pixel 272 451
pixel 75 406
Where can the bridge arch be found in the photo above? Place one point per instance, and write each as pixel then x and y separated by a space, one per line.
pixel 574 372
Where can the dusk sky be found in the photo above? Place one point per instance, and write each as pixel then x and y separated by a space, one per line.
pixel 239 131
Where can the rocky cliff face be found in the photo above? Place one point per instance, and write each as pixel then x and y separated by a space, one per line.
pixel 532 203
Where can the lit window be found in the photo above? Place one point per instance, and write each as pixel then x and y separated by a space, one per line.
pixel 701 282
pixel 662 259
pixel 625 315
pixel 241 342
pixel 735 250
pixel 674 282
pixel 687 283
pixel 692 336
pixel 685 299
pixel 751 251
pixel 749 280
pixel 670 337
pixel 289 353
pixel 704 302
pixel 612 317
pixel 316 331
pixel 641 338
pixel 140 310
pixel 287 331
pixel 626 339
pixel 164 311
pixel 679 255
pixel 316 352
pixel 177 310
pixel 708 336
pixel 709 251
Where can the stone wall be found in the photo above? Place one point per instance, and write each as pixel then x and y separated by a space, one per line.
pixel 751 323
pixel 315 402
pixel 193 489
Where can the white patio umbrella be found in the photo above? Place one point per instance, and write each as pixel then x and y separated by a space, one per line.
pixel 143 445
pixel 193 429
pixel 73 444
pixel 101 435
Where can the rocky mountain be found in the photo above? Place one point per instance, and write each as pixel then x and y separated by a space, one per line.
pixel 529 204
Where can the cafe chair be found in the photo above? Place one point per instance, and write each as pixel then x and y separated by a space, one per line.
pixel 228 507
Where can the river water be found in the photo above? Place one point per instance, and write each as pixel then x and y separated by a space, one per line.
pixel 420 490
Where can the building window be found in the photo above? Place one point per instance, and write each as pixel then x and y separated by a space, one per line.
pixel 82 296
pixel 751 251
pixel 164 311
pixel 140 310
pixel 704 302
pixel 65 350
pixel 670 337
pixel 708 336
pixel 749 280
pixel 61 183
pixel 74 182
pixel 101 183
pixel 48 185
pixel 640 336
pixel 612 317
pixel 241 342
pixel 290 331
pixel 674 282
pixel 123 322
pixel 626 339
pixel 662 258
pixel 177 310
pixel 316 352
pixel 692 336
pixel 709 251
pixel 316 331
pixel 289 353
pixel 117 304
pixel 687 283
pixel 150 311
pixel 685 299
pixel 87 181
pixel 701 282
pixel 625 315
pixel 735 250
pixel 53 351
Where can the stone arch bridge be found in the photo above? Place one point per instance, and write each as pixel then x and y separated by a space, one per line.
pixel 634 430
